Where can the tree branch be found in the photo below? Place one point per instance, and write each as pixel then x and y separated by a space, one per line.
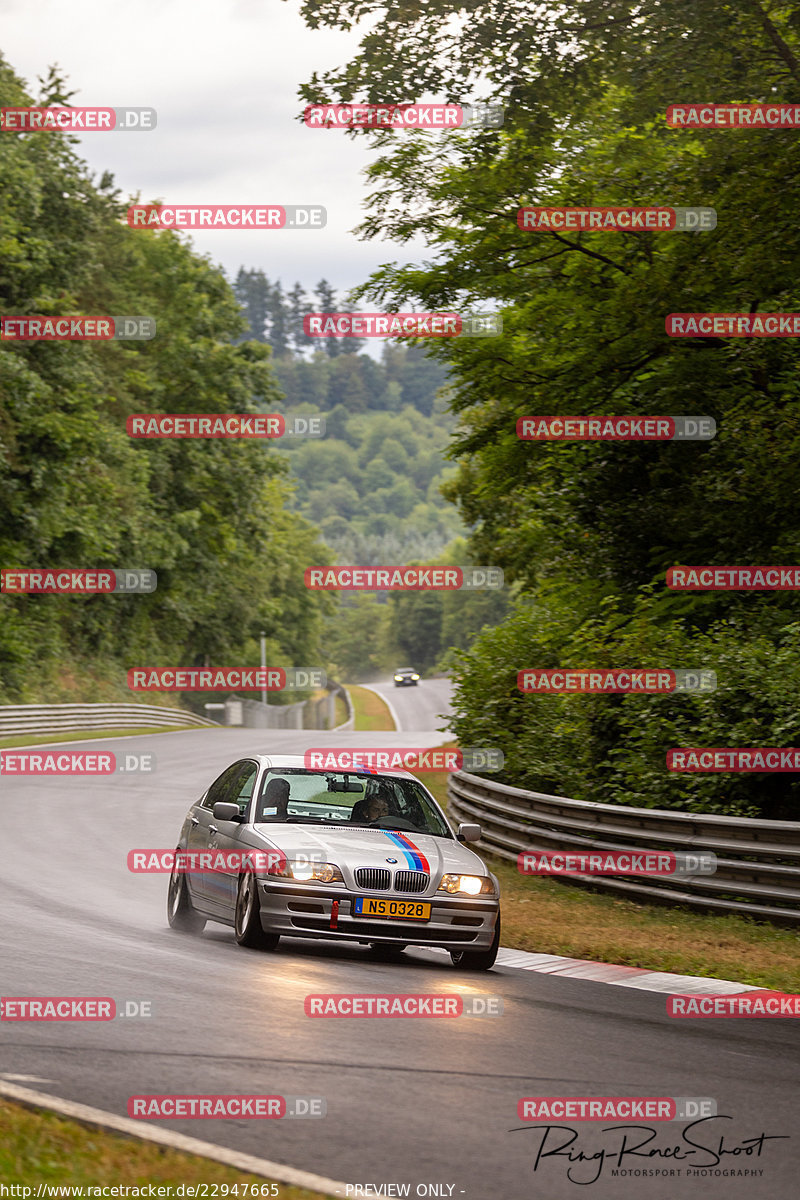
pixel 780 45
pixel 585 250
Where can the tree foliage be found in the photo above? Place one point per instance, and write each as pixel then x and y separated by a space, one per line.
pixel 585 87
pixel 209 516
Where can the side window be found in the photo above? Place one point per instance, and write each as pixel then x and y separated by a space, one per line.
pixel 241 790
pixel 221 785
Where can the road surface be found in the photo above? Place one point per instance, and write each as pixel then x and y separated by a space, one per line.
pixel 416 1101
pixel 424 707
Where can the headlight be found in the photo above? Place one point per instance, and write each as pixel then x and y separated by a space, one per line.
pixel 415 676
pixel 398 678
pixel 310 872
pixel 470 885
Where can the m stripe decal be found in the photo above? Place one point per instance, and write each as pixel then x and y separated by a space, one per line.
pixel 414 856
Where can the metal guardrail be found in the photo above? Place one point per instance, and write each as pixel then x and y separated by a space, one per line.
pixel 758 861
pixel 305 714
pixel 70 718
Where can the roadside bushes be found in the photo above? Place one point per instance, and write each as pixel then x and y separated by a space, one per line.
pixel 612 748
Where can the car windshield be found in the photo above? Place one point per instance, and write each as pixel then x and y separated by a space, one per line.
pixel 304 797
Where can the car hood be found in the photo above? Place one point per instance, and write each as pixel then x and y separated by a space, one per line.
pixel 354 847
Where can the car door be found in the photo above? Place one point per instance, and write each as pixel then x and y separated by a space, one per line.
pixel 200 822
pixel 226 835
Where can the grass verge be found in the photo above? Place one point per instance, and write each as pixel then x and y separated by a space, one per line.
pixel 371 712
pixel 41 1147
pixel 91 735
pixel 340 710
pixel 549 917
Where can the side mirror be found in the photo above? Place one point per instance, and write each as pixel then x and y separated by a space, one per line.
pixel 464 833
pixel 223 811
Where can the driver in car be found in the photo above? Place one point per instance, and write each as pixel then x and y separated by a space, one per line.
pixel 372 808
pixel 276 796
pixel 377 806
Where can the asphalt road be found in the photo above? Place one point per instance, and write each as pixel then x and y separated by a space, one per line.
pixel 421 1101
pixel 424 707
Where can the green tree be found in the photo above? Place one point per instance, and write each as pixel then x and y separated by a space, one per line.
pixel 357 639
pixel 588 530
pixel 298 306
pixel 75 490
pixel 280 330
pixel 416 627
pixel 253 290
pixel 325 297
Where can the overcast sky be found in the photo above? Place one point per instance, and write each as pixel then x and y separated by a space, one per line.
pixel 223 77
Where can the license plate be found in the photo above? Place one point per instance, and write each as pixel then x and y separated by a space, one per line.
pixel 405 910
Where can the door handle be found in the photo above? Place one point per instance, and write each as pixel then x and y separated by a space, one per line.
pixel 194 820
pixel 213 829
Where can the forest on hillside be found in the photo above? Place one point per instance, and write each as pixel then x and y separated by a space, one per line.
pixel 212 518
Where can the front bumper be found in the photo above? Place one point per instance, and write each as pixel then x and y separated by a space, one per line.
pixel 405 682
pixel 456 923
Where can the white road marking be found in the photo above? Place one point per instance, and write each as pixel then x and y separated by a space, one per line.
pixel 618 976
pixel 176 1141
pixel 25 1078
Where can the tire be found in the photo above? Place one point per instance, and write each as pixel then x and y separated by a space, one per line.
pixel 247 921
pixel 478 960
pixel 180 912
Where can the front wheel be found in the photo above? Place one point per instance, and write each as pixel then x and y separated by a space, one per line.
pixel 247 919
pixel 181 913
pixel 478 960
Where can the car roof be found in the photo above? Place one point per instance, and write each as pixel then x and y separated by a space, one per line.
pixel 298 761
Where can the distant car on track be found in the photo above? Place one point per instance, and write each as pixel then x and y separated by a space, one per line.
pixel 346 855
pixel 406 677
